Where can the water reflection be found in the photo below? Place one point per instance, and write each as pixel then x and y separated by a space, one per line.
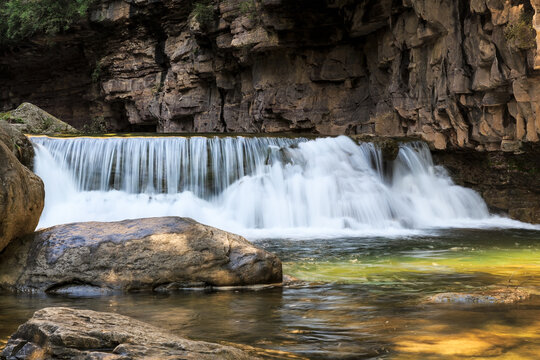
pixel 364 300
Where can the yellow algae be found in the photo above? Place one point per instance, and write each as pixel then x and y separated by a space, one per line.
pixel 492 341
pixel 516 265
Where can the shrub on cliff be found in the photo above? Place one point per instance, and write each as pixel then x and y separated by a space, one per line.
pixel 20 19
pixel 521 33
pixel 203 12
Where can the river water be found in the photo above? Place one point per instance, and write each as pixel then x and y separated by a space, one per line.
pixel 369 241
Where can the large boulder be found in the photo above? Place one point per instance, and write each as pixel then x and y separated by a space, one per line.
pixel 19 144
pixel 21 198
pixel 64 333
pixel 159 254
pixel 30 119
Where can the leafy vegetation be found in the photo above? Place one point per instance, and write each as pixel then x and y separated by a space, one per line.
pixel 521 33
pixel 248 7
pixel 96 74
pixel 10 119
pixel 98 125
pixel 203 12
pixel 20 19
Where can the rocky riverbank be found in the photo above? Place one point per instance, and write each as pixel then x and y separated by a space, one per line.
pixel 64 333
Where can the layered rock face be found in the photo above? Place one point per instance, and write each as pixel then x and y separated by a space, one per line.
pixel 64 333
pixel 21 191
pixel 158 254
pixel 461 74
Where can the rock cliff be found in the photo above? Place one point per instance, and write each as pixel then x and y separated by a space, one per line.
pixel 458 73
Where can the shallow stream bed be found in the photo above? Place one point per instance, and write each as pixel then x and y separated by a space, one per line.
pixel 360 298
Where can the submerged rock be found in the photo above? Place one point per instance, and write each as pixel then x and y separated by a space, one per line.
pixel 31 119
pixel 498 296
pixel 21 197
pixel 159 254
pixel 64 333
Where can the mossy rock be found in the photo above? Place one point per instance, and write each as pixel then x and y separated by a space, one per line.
pixel 30 119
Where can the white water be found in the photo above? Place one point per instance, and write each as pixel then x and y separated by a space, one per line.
pixel 258 187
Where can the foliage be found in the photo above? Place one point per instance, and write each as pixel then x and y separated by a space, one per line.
pixel 47 123
pixel 10 119
pixel 20 19
pixel 248 7
pixel 521 33
pixel 98 125
pixel 203 12
pixel 96 74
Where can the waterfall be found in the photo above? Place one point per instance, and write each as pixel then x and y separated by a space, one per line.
pixel 256 186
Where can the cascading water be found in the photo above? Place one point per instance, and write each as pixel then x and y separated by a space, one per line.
pixel 253 186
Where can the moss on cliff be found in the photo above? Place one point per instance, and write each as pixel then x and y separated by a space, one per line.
pixel 521 32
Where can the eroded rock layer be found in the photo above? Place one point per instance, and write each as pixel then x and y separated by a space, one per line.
pixel 461 74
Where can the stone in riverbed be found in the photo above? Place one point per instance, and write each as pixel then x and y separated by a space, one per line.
pixel 64 333
pixel 491 297
pixel 159 254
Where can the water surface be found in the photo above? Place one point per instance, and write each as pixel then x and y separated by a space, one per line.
pixel 360 298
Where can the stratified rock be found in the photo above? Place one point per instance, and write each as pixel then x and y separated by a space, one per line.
pixel 157 254
pixel 458 74
pixel 21 197
pixel 491 297
pixel 19 144
pixel 31 119
pixel 64 333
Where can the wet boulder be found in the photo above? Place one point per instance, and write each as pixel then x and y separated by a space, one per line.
pixel 65 333
pixel 159 254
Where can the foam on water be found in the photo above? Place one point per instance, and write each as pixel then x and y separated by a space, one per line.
pixel 258 187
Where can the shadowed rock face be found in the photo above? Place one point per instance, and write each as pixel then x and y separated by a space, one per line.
pixel 64 333
pixel 508 182
pixel 157 254
pixel 458 73
pixel 21 191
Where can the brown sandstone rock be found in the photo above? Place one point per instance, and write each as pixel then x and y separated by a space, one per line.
pixel 159 254
pixel 64 333
pixel 21 196
pixel 455 73
pixel 19 144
